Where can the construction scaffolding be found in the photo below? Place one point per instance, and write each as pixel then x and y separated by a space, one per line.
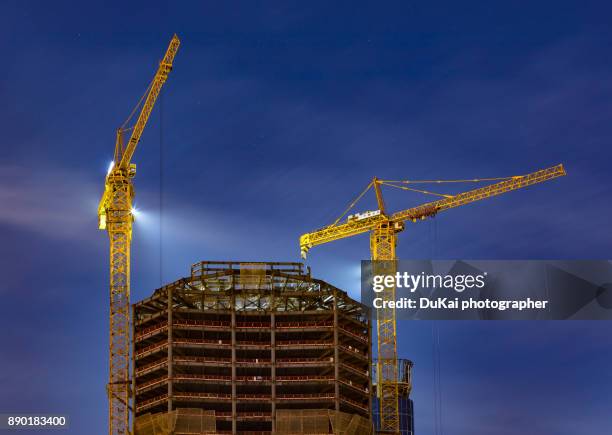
pixel 321 421
pixel 259 346
pixel 180 421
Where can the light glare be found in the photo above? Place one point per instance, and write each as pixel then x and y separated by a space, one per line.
pixel 111 165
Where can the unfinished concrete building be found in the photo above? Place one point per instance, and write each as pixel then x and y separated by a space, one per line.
pixel 251 348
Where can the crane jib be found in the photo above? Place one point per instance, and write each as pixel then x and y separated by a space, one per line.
pixel 514 183
pixel 352 228
pixel 161 75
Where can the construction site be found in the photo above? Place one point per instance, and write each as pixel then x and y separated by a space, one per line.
pixel 260 347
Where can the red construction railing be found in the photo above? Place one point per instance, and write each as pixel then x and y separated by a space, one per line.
pixel 355 369
pixel 253 361
pixel 189 377
pixel 196 377
pixel 225 324
pixel 158 363
pixel 350 384
pixel 164 344
pixel 216 396
pixel 152 402
pixel 149 332
pixel 304 361
pixel 256 397
pixel 254 343
pixel 254 416
pixel 253 325
pixel 279 361
pixel 158 327
pixel 221 396
pixel 355 334
pixel 244 415
pixel 354 403
pixel 309 324
pixel 304 378
pixel 202 341
pixel 202 359
pixel 305 396
pixel 207 323
pixel 152 382
pixel 286 343
pixel 352 350
pixel 152 348
pixel 253 378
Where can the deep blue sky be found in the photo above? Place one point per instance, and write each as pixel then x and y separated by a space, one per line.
pixel 275 116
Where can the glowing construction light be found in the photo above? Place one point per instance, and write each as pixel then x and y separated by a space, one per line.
pixel 111 165
pixel 135 212
pixel 102 222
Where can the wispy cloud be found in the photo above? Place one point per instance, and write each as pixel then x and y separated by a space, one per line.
pixel 54 202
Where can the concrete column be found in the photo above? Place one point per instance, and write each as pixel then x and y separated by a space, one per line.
pixel 234 412
pixel 273 368
pixel 369 321
pixel 133 350
pixel 336 354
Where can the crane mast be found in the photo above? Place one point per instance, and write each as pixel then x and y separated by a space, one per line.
pixel 115 215
pixel 383 241
pixel 383 229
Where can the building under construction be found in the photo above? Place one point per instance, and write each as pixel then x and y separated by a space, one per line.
pixel 251 348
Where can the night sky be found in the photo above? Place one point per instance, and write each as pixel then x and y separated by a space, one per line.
pixel 275 116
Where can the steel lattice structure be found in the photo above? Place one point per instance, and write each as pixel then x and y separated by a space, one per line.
pixel 115 215
pixel 258 344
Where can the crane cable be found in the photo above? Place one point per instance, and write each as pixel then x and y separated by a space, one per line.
pixel 439 370
pixel 432 232
pixel 426 192
pixel 436 354
pixel 394 183
pixel 352 204
pixel 161 179
pixel 467 180
pixel 136 107
pixel 123 129
pixel 437 380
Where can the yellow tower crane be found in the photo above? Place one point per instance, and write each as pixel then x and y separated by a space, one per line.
pixel 115 215
pixel 383 228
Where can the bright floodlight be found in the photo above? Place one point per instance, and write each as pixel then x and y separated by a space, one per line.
pixel 135 212
pixel 111 165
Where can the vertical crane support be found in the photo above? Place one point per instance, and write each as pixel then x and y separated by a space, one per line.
pixel 383 229
pixel 115 215
pixel 382 247
pixel 119 227
pixel 383 240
